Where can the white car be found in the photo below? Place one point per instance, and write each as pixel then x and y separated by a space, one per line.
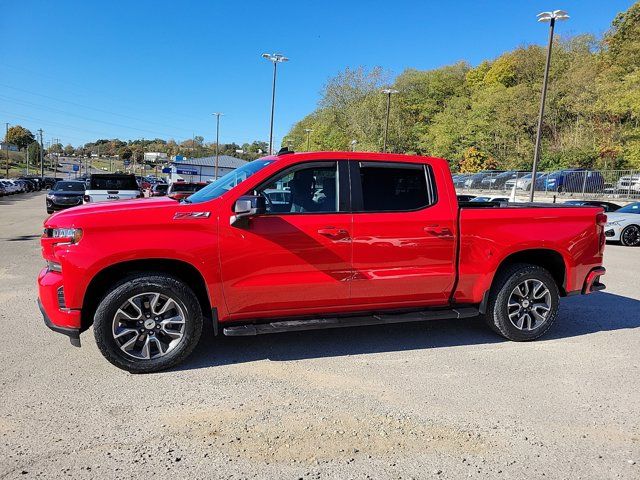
pixel 104 187
pixel 623 225
pixel 629 184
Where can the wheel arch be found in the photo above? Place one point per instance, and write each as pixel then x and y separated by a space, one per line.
pixel 106 277
pixel 549 259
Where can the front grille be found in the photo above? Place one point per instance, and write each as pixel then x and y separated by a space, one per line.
pixel 61 303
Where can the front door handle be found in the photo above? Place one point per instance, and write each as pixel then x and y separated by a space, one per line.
pixel 438 231
pixel 333 233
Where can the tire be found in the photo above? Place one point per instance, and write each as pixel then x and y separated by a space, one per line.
pixel 123 313
pixel 511 321
pixel 49 211
pixel 630 236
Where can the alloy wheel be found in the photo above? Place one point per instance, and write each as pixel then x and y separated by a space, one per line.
pixel 529 305
pixel 148 325
pixel 631 236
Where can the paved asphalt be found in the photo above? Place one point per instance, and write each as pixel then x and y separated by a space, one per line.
pixel 435 400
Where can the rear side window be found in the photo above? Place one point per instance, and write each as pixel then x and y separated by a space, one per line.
pixel 106 182
pixel 395 187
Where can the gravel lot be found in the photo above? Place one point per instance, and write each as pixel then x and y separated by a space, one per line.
pixel 436 400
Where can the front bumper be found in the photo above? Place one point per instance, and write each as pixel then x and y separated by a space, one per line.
pixel 58 318
pixel 51 205
pixel 612 233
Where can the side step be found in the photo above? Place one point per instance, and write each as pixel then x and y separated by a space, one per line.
pixel 339 322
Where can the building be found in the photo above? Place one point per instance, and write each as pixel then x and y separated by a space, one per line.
pixel 156 157
pixel 202 169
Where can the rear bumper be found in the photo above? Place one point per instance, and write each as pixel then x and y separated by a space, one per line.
pixel 592 282
pixel 56 317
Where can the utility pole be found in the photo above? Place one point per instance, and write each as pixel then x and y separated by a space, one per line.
pixel 7 146
pixel 550 17
pixel 41 154
pixel 217 114
pixel 308 130
pixel 388 92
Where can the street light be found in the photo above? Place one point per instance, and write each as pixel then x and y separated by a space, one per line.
pixel 6 141
pixel 308 130
pixel 217 114
pixel 550 17
pixel 388 92
pixel 275 58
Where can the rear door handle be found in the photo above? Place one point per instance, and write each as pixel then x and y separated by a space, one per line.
pixel 438 231
pixel 333 233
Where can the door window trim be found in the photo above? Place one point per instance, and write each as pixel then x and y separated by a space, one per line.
pixel 357 197
pixel 342 178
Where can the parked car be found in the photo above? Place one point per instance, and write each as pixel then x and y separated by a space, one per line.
pixel 498 181
pixel 465 198
pixel 623 225
pixel 576 180
pixel 3 189
pixel 460 179
pixel 628 184
pixel 180 190
pixel 159 190
pixel 49 182
pixel 607 206
pixel 490 199
pixel 475 180
pixel 36 181
pixel 283 197
pixel 10 187
pixel 65 194
pixel 387 243
pixel 112 186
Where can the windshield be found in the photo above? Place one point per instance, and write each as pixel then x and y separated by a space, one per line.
pixel 631 208
pixel 69 186
pixel 229 181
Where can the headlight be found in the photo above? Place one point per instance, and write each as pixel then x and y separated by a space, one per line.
pixel 73 235
pixel 50 196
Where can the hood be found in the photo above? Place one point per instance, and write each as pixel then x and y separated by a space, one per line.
pixel 122 213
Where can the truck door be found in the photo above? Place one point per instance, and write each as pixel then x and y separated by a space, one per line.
pixel 403 236
pixel 297 258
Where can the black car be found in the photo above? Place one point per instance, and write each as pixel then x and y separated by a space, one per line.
pixel 35 182
pixel 607 206
pixel 465 198
pixel 49 182
pixel 65 194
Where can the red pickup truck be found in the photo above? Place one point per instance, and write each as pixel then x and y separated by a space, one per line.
pixel 359 239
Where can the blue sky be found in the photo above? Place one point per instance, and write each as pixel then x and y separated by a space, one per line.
pixel 82 70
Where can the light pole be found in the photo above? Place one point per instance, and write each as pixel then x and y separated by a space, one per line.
pixel 275 58
pixel 388 92
pixel 550 17
pixel 308 130
pixel 6 141
pixel 217 114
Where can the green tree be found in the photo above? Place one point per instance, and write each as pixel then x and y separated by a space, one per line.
pixel 19 136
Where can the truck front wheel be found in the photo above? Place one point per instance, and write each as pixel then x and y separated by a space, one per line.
pixel 147 323
pixel 523 302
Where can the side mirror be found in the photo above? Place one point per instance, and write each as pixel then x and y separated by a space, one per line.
pixel 248 206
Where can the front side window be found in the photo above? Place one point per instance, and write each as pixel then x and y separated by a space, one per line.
pixel 394 187
pixel 312 189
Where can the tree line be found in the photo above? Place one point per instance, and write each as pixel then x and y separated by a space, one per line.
pixel 485 116
pixel 134 150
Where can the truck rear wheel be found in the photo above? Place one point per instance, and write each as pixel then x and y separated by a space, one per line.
pixel 148 323
pixel 523 302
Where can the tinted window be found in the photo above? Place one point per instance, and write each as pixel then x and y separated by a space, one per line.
pixel 394 187
pixel 312 189
pixel 69 186
pixel 113 182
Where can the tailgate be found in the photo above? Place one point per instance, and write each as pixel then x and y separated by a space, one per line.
pixel 106 195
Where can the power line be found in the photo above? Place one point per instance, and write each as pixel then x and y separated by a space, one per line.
pixel 92 108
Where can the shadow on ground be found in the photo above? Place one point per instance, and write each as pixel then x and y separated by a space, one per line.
pixel 578 316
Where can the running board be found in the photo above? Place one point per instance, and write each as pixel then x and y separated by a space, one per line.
pixel 340 322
